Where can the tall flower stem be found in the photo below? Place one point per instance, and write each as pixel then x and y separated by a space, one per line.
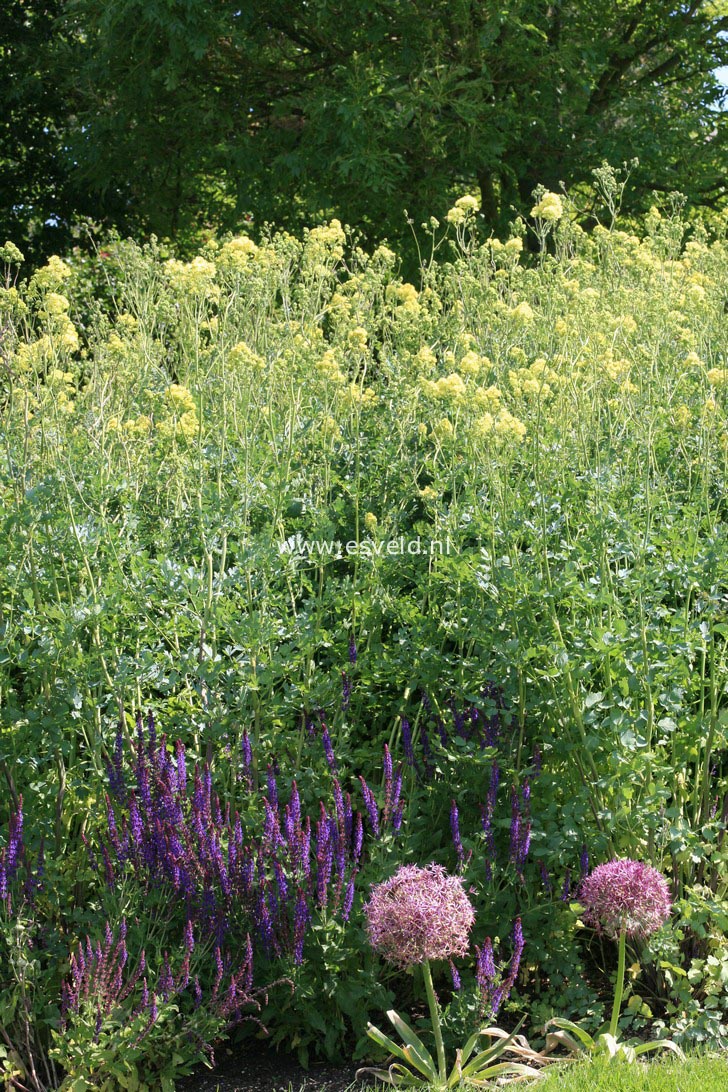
pixel 435 1018
pixel 619 984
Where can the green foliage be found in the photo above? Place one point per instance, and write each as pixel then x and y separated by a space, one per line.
pixel 694 1075
pixel 184 116
pixel 168 427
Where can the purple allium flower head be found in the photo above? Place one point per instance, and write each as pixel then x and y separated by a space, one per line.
pixel 625 894
pixel 419 914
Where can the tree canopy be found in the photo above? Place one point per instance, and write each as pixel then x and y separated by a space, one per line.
pixel 174 115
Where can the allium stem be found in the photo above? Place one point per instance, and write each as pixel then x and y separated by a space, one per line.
pixel 435 1017
pixel 619 984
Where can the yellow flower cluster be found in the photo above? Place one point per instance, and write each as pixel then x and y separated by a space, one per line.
pixel 183 422
pixel 405 297
pixel 550 208
pixel 504 426
pixel 536 381
pixel 463 210
pixel 450 388
pixel 51 275
pixel 139 427
pixel 10 254
pixel 235 255
pixel 616 370
pixel 195 278
pixel 425 359
pixel 55 304
pixel 179 399
pixel 442 430
pixel 323 244
pixel 329 367
pixel 523 312
pixel 357 339
pixel 682 416
pixel 32 356
pixel 472 363
pixel 488 398
pixel 242 356
pixel 358 395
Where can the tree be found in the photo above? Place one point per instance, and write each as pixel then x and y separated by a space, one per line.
pixel 188 112
pixel 34 176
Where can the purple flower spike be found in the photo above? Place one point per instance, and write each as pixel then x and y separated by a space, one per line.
pixel 247 751
pixel 371 806
pixel 345 691
pixel 455 830
pixel 272 787
pixel 518 946
pixel 387 766
pixel 485 972
pixel 348 899
pixel 329 750
pixel 409 753
pixel 584 861
pixel 301 920
pixel 352 650
pixel 358 837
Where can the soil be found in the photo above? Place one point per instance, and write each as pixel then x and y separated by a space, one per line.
pixel 255 1068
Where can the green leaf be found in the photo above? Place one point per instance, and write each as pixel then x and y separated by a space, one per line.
pixel 568 1025
pixel 425 1062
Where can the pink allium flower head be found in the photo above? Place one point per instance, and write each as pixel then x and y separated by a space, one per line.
pixel 625 893
pixel 419 914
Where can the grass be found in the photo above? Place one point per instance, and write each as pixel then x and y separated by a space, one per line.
pixel 697 1074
